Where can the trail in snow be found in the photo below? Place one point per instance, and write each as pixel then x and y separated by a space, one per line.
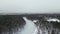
pixel 29 28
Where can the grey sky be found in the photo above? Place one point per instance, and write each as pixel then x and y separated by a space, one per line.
pixel 29 6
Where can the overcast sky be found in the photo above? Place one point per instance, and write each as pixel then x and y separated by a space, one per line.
pixel 29 6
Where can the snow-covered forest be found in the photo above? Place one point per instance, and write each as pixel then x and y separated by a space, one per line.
pixel 30 24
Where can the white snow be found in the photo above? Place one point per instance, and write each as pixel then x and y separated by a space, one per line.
pixel 29 28
pixel 53 19
pixel 35 21
pixel 36 30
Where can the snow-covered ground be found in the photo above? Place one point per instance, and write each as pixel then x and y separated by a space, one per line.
pixel 30 27
pixel 53 19
pixel 35 21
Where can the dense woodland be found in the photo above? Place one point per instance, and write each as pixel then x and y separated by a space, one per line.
pixel 9 22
